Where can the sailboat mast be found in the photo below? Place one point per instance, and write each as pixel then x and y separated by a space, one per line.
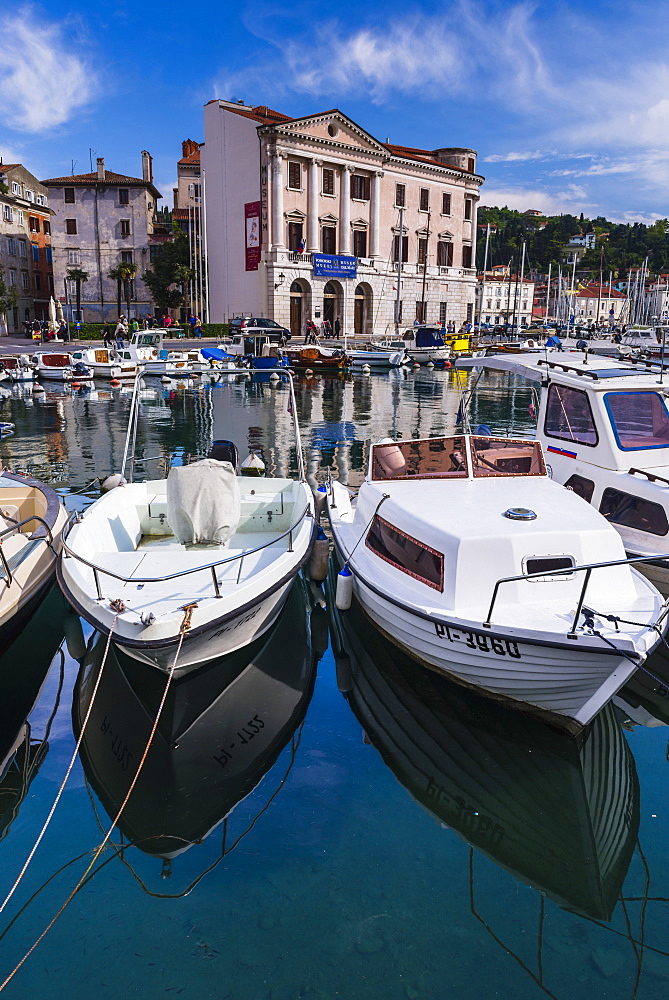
pixel 548 293
pixel 400 245
pixel 422 294
pixel 485 271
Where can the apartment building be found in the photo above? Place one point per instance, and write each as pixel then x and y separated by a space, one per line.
pixel 101 220
pixel 25 246
pixel 313 218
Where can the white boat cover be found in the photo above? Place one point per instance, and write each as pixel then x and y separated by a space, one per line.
pixel 203 502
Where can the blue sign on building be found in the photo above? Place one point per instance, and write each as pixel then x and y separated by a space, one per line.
pixel 330 266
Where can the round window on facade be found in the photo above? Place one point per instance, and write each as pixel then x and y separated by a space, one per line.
pixel 333 130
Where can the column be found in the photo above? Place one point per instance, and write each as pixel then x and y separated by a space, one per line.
pixel 312 206
pixel 278 234
pixel 375 214
pixel 345 210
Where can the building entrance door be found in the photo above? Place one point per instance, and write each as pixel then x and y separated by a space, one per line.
pixel 329 299
pixel 296 325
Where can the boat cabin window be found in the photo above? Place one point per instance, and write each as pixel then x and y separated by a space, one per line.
pixel 639 419
pixel 406 553
pixel 634 512
pixel 430 458
pixel 569 416
pixel 502 457
pixel 548 565
pixel 582 487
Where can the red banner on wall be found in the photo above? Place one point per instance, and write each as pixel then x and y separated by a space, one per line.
pixel 252 231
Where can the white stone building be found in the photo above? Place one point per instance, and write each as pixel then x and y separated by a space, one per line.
pixel 279 191
pixel 503 298
pixel 101 220
pixel 25 246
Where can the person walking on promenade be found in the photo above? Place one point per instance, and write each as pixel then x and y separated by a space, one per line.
pixel 337 328
pixel 107 336
pixel 121 333
pixel 197 327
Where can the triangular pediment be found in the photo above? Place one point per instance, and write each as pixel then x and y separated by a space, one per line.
pixel 332 128
pixel 329 218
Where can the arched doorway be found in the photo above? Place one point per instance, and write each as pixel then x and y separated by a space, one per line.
pixel 332 299
pixel 298 294
pixel 362 309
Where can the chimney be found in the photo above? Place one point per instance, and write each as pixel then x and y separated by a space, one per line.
pixel 147 167
pixel 101 168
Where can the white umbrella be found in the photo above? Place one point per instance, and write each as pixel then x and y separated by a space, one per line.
pixel 53 323
pixel 60 316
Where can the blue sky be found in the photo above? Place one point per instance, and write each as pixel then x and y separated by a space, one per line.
pixel 567 103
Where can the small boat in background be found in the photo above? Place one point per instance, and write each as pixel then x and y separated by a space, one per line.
pixel 317 358
pixel 106 363
pixel 60 367
pixel 17 368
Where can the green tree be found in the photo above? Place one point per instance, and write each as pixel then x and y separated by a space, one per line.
pixel 77 275
pixel 124 274
pixel 8 298
pixel 170 273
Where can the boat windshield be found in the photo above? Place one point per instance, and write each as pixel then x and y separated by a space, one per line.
pixel 430 458
pixel 502 457
pixel 639 419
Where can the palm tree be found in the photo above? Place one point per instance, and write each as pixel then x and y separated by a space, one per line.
pixel 115 275
pixel 77 275
pixel 124 274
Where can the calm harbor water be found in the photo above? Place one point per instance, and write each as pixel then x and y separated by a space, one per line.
pixel 317 817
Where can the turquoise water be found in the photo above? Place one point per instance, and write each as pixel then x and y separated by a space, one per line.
pixel 317 817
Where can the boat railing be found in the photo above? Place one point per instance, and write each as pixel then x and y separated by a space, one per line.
pixel 12 530
pixel 587 568
pixel 97 570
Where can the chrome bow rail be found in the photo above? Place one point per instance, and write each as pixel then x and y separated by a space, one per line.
pixel 6 532
pixel 68 553
pixel 587 569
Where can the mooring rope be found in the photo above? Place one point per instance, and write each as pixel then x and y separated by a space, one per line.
pixel 59 793
pixel 185 625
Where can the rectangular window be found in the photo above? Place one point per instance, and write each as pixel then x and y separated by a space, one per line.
pixel 329 239
pixel 25 281
pixel 8 213
pixel 126 256
pixel 468 208
pixel 583 488
pixel 466 255
pixel 633 512
pixel 124 225
pixel 444 254
pixel 46 225
pixel 406 553
pixel 429 458
pixel 38 281
pixel 421 310
pixel 12 276
pixel 11 245
pixel 328 180
pixel 569 417
pixel 400 196
pixel 294 175
pixel 49 255
pixel 422 251
pixel 123 196
pixel 470 164
pixel 71 227
pixel 16 189
pixel 502 457
pixel 33 224
pixel 29 195
pixel 50 280
pixel 470 312
pixel 20 217
pixel 69 196
pixel 23 248
pixel 442 313
pixel 360 242
pixel 35 252
pixel 294 235
pixel 424 200
pixel 360 187
pixel 445 204
pixel 639 419
pixel 73 257
pixel 396 249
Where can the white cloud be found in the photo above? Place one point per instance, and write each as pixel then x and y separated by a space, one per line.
pixel 42 79
pixel 572 201
pixel 512 157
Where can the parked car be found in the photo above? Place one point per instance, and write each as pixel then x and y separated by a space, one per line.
pixel 259 325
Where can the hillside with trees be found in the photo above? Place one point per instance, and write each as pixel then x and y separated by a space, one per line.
pixel 625 246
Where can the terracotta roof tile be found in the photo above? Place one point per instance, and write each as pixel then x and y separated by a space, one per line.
pixel 191 159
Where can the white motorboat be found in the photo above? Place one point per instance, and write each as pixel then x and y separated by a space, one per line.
pixel 60 367
pixel 205 552
pixel 17 368
pixel 377 357
pixel 604 428
pixel 107 363
pixel 478 565
pixel 32 519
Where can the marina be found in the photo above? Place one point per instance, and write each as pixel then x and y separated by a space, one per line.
pixel 317 814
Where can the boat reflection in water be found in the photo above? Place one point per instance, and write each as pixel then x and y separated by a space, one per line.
pixel 220 731
pixel 24 666
pixel 559 812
